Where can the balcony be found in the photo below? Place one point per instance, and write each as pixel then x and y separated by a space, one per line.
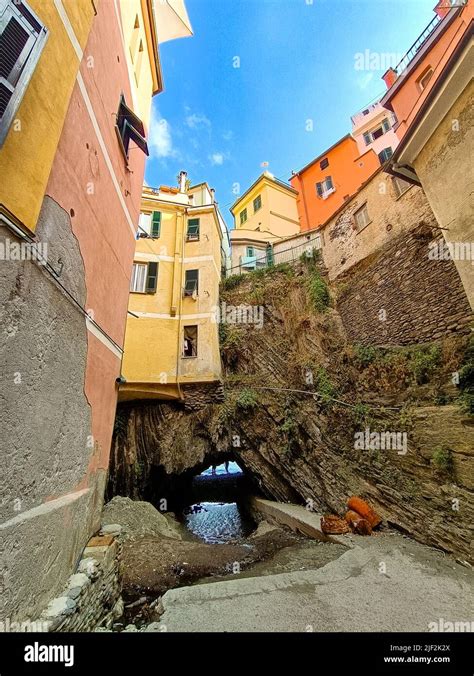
pixel 417 45
pixel 248 262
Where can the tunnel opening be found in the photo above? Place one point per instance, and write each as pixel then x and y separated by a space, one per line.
pixel 211 500
pixel 217 511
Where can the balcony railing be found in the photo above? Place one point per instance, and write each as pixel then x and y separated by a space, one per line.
pixel 249 262
pixel 417 45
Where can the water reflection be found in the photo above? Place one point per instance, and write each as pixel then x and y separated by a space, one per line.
pixel 217 522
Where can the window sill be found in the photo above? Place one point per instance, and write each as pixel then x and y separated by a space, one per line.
pixel 142 293
pixel 363 228
pixel 403 193
pixel 194 356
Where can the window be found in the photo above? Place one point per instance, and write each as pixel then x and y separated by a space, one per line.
pixel 324 164
pixel 377 133
pixel 22 38
pixel 365 112
pixel 385 155
pixel 361 218
pixel 243 216
pixel 138 281
pixel 367 138
pixel 425 78
pixel 250 251
pixel 192 234
pixel 155 224
pixel 400 186
pixel 325 188
pixel 144 225
pixel 129 128
pixel 257 203
pixel 191 278
pixel 190 335
pixel 144 277
pixel 386 125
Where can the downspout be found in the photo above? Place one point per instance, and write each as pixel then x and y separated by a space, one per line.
pixel 304 201
pixel 181 284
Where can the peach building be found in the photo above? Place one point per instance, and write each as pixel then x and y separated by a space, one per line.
pixel 326 182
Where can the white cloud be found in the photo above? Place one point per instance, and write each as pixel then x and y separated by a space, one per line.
pixel 195 121
pixel 228 135
pixel 364 80
pixel 159 137
pixel 217 158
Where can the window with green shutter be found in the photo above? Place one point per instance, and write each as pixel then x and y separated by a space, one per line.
pixel 257 203
pixel 155 224
pixel 193 229
pixel 191 282
pixel 22 38
pixel 243 216
pixel 152 277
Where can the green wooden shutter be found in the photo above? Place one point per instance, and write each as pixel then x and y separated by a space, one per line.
pixel 270 257
pixel 152 277
pixel 156 224
pixel 319 189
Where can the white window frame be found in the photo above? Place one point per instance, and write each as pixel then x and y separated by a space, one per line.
pixel 138 278
pixel 362 210
pixel 21 73
pixel 400 190
pixel 145 223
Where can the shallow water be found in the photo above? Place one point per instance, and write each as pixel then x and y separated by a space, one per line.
pixel 219 522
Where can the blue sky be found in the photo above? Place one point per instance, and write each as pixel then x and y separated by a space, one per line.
pixel 297 63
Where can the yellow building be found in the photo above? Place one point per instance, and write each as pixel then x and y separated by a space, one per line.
pixel 264 214
pixel 34 100
pixel 171 340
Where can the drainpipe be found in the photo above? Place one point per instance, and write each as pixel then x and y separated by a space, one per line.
pixel 180 303
pixel 304 200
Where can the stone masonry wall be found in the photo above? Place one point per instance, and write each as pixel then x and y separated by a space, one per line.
pixel 398 296
pixel 92 597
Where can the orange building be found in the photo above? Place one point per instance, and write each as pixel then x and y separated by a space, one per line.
pixel 431 92
pixel 326 182
pixel 410 83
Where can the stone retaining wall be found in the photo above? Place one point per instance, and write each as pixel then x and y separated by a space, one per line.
pixel 399 296
pixel 92 597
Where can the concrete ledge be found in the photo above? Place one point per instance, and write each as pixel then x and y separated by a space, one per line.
pixel 296 517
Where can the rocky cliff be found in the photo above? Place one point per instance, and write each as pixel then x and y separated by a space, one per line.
pixel 304 412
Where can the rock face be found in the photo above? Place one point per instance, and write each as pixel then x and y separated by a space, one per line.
pixel 138 519
pixel 319 449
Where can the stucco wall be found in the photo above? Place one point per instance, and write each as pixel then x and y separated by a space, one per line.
pixel 46 422
pixel 41 112
pixel 445 168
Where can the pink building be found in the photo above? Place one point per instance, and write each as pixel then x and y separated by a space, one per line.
pixel 372 128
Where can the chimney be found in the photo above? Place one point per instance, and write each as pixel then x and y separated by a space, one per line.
pixel 183 175
pixel 213 195
pixel 442 8
pixel 389 77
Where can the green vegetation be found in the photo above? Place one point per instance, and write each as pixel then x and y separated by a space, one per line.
pixel 442 459
pixel 466 380
pixel 423 361
pixel 362 414
pixel 231 282
pixel 365 354
pixel 229 336
pixel 324 386
pixel 247 399
pixel 318 290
